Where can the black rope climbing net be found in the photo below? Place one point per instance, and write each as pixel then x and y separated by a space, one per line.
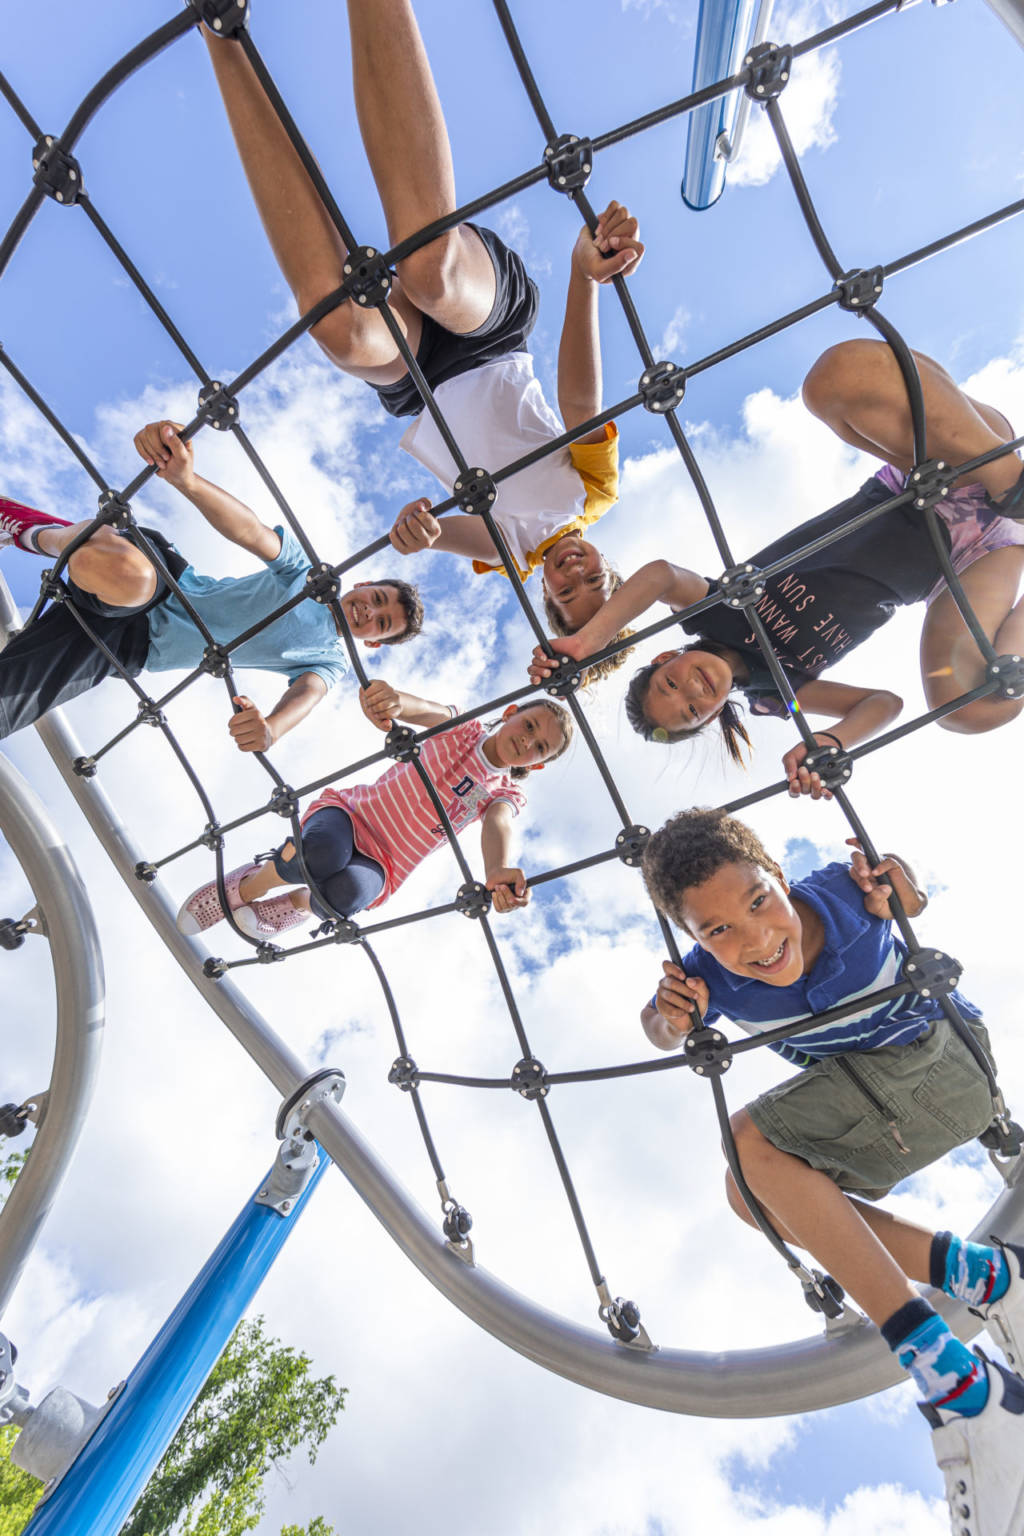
pixel 565 164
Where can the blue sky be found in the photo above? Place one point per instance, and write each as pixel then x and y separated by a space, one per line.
pixel 915 126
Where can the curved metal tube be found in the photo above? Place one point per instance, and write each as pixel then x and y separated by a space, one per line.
pixel 798 1377
pixel 78 977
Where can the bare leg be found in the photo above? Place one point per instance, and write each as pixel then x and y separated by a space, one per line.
pixel 407 145
pixel 871 1253
pixel 266 878
pixel 856 388
pixel 951 663
pixel 106 565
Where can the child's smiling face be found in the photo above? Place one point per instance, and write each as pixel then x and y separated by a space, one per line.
pixel 742 915
pixel 576 579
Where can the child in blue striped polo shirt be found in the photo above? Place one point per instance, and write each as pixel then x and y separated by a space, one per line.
pixel 885 1091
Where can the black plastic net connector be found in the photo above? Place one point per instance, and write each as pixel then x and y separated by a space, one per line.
pixel 569 160
pixel 215 661
pixel 741 585
pixel 13 1120
pixel 833 766
pixel 457 1224
pixel 564 680
pixel 932 973
pixel 149 714
pixel 823 1294
pixel 267 953
pixel 662 387
pixel 1004 1137
pixel 85 767
pixel 225 17
pixel 476 491
pixel 115 511
pixel 210 837
pixel 12 936
pixel 860 288
pixel 57 173
pixel 529 1078
pixel 707 1052
pixel 931 482
pixel 401 744
pixel 404 1073
pixel 217 408
pixel 52 588
pixel 770 67
pixel 147 873
pixel 367 276
pixel 1008 672
pixel 630 844
pixel 214 969
pixel 622 1319
pixel 345 931
pixel 322 584
pixel 284 801
pixel 473 900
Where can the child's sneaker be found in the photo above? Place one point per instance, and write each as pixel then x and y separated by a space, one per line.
pixel 16 519
pixel 260 919
pixel 982 1459
pixel 1005 1317
pixel 203 909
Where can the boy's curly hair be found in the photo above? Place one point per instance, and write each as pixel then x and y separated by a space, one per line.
pixel 691 847
pixel 412 607
pixel 729 717
pixel 603 669
pixel 565 725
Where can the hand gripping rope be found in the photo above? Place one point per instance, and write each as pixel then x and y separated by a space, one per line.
pixel 566 163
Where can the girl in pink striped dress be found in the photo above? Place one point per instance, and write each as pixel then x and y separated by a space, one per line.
pixel 361 842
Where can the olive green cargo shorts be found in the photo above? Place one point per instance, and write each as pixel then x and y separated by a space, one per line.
pixel 933 1091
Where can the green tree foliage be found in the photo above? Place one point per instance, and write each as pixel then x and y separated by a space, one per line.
pixel 258 1406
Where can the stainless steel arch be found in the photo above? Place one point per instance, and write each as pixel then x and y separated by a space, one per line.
pixel 811 1373
pixel 67 922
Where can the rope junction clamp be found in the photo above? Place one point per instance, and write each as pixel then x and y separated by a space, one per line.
pixel 146 872
pixel 115 511
pixel 529 1078
pixel 932 973
pixel 57 173
pixel 707 1052
pixel 215 661
pixel 284 801
pixel 822 1293
pixel 742 585
pixel 860 288
pixel 476 492
pixel 831 765
pixel 569 160
pixel 228 17
pixel 367 276
pixel 1008 671
pixel 149 714
pixel 662 387
pixel 622 1319
pixel 769 67
pixel 564 680
pixel 217 407
pixel 85 767
pixel 12 936
pixel 631 842
pixel 322 584
pixel 13 1117
pixel 931 482
pixel 404 1073
pixel 456 1224
pixel 473 899
pixel 401 744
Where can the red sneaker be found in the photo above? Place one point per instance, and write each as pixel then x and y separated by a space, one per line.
pixel 16 519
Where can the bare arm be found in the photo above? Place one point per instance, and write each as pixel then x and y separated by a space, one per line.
pixel 859 713
pixel 383 706
pixel 251 731
pixel 596 259
pixel 668 1023
pixel 659 1031
pixel 505 881
pixel 159 444
pixel 416 528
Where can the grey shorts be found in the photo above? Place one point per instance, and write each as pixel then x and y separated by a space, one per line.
pixel 932 1088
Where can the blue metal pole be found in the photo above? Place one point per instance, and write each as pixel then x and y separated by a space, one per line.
pixel 723 35
pixel 96 1494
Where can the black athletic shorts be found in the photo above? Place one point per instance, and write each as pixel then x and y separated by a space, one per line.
pixel 53 659
pixel 444 355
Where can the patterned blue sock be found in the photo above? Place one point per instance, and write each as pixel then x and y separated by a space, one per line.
pixel 947 1374
pixel 971 1272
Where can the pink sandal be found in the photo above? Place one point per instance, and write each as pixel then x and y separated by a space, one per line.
pixel 262 918
pixel 203 909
